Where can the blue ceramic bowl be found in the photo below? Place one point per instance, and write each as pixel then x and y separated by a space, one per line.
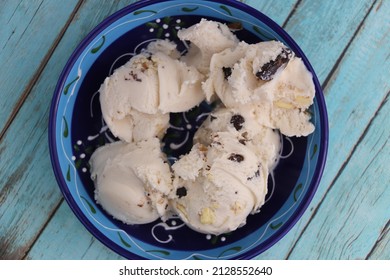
pixel 76 129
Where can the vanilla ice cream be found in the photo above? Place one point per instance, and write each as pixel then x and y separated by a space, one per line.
pixel 149 86
pixel 180 86
pixel 207 38
pixel 242 123
pixel 269 77
pixel 218 186
pixel 132 180
pixel 290 93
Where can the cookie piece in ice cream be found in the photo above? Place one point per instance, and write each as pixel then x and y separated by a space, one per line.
pixel 268 70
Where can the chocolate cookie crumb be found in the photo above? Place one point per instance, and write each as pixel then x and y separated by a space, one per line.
pixel 268 70
pixel 237 121
pixel 227 72
pixel 180 192
pixel 236 157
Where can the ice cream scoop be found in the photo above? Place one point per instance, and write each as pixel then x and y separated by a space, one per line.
pixel 132 180
pixel 266 76
pixel 207 38
pixel 129 97
pixel 289 96
pixel 237 74
pixel 146 89
pixel 226 183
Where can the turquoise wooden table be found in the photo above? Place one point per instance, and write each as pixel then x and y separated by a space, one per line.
pixel 348 44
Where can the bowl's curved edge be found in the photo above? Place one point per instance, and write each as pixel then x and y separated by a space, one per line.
pixel 135 6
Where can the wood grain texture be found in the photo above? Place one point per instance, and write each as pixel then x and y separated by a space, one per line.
pixel 347 223
pixel 322 29
pixel 354 96
pixel 28 32
pixel 381 250
pixel 349 77
pixel 347 42
pixel 278 10
pixel 56 242
pixel 27 184
pixel 96 250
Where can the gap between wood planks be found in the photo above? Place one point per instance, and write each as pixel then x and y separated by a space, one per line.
pixel 27 91
pixel 324 86
pixel 291 13
pixel 43 228
pixel 336 65
pixel 383 233
pixel 383 102
pixel 38 73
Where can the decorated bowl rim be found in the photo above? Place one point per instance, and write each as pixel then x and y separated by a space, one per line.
pixel 322 153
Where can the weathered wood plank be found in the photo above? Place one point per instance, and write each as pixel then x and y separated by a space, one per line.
pixel 356 209
pixel 28 31
pixel 381 250
pixel 343 94
pixel 27 184
pixel 46 245
pixel 348 96
pixel 278 10
pixel 323 29
pixel 55 241
pixel 363 89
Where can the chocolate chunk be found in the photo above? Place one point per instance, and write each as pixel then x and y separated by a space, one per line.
pixel 257 173
pixel 133 76
pixel 227 71
pixel 180 192
pixel 237 121
pixel 268 70
pixel 236 157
